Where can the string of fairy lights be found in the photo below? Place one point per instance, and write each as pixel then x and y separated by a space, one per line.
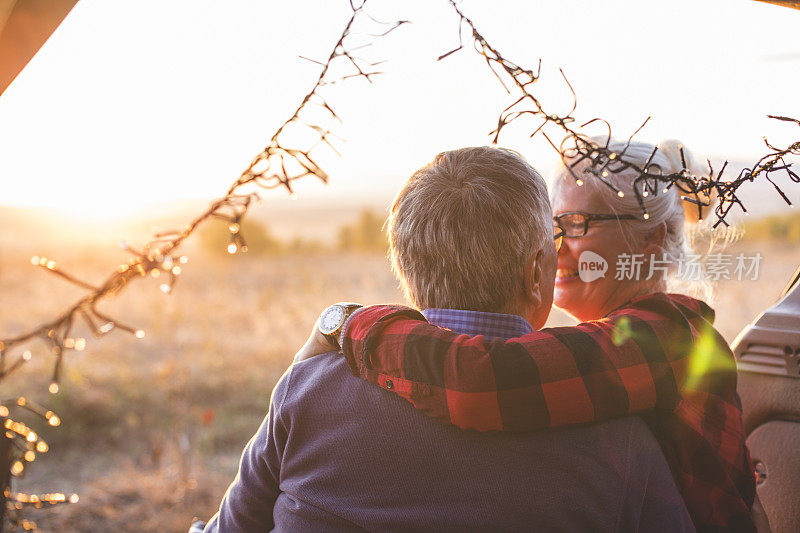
pixel 26 444
pixel 576 148
pixel 278 165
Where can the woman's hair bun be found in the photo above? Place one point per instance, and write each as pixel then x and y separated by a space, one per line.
pixel 671 151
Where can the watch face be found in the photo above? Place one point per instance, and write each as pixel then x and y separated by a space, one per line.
pixel 331 319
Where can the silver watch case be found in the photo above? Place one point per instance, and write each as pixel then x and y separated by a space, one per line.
pixel 333 318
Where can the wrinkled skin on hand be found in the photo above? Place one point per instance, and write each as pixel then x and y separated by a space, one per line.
pixel 315 345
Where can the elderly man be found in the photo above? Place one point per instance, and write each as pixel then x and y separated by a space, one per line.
pixel 471 237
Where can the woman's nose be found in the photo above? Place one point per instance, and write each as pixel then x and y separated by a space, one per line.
pixel 565 243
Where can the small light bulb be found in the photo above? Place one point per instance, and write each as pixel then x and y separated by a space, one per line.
pixel 31 437
pixel 184 259
pixel 35 260
pixel 666 190
pixel 612 156
pixel 579 183
pixel 165 288
pixel 54 420
pixel 30 456
pixel 74 498
pixel 41 446
pixel 234 228
pixel 105 328
pixel 26 355
pixel 176 270
pixel 646 216
pixel 53 388
pixel 232 248
pixel 621 194
pixel 3 411
pixel 645 194
pixel 605 173
pixel 80 344
pixel 17 468
pixel 139 334
pixel 21 401
pixel 155 272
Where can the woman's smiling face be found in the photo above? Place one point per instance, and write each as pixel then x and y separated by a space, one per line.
pixel 591 300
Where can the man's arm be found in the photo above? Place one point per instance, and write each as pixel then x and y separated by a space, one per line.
pixel 635 359
pixel 250 498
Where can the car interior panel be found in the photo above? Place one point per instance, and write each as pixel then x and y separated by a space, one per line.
pixel 768 361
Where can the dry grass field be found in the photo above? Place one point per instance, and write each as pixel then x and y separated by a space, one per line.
pixel 152 428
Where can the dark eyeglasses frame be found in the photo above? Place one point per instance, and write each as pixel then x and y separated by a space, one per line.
pixel 587 217
pixel 558 236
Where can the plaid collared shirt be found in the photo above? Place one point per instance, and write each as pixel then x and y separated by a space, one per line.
pixel 474 323
pixel 658 356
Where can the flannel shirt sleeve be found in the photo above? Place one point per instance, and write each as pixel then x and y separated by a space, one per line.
pixel 631 361
pixel 658 356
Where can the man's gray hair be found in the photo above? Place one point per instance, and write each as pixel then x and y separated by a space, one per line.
pixel 464 227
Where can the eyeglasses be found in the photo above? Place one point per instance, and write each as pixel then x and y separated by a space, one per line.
pixel 576 223
pixel 558 236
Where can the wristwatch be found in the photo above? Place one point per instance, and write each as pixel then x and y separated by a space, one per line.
pixel 333 320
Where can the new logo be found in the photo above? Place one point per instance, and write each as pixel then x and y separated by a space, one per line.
pixel 591 266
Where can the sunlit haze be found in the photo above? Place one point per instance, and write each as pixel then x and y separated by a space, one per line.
pixel 131 104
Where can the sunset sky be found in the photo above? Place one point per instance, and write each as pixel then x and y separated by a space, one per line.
pixel 131 104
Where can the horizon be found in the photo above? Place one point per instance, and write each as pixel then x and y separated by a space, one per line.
pixel 126 125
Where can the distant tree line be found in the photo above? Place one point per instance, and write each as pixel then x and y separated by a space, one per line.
pixel 365 234
pixel 781 228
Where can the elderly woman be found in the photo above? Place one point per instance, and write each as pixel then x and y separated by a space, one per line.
pixel 638 349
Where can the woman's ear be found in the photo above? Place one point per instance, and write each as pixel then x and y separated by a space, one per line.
pixel 654 242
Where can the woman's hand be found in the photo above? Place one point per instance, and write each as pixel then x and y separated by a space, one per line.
pixel 316 344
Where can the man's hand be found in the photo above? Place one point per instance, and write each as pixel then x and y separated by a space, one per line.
pixel 316 344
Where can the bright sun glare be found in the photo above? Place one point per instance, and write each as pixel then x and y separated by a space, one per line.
pixel 104 121
pixel 101 207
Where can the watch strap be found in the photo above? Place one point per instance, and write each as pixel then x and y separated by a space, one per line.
pixel 351 312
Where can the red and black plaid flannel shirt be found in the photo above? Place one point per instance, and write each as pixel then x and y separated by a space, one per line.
pixel 658 356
